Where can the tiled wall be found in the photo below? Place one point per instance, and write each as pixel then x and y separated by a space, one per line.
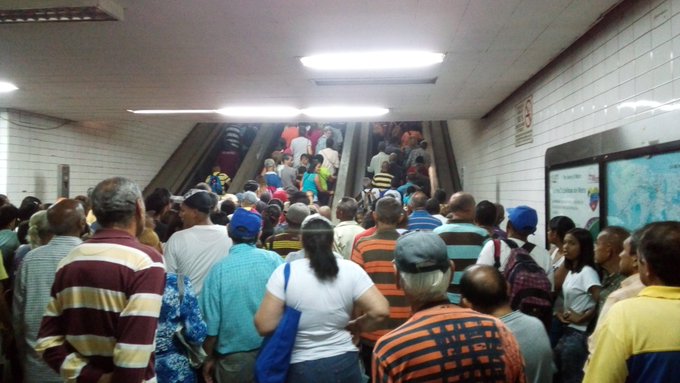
pixel 624 70
pixel 35 145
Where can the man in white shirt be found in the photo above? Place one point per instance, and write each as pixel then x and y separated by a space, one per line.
pixel 344 232
pixel 331 158
pixel 194 250
pixel 522 222
pixel 378 159
pixel 300 145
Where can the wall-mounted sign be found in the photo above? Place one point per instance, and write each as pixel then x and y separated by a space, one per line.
pixel 643 190
pixel 524 118
pixel 575 192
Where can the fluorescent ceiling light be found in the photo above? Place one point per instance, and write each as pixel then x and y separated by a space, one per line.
pixel 259 111
pixel 41 11
pixel 171 111
pixel 345 111
pixel 372 60
pixel 6 87
pixel 277 111
pixel 375 81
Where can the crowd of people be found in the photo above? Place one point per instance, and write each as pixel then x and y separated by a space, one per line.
pixel 398 286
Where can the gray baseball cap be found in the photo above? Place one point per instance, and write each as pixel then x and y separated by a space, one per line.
pixel 419 252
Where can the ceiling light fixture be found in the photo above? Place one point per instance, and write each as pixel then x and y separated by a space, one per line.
pixel 171 111
pixel 259 111
pixel 375 81
pixel 6 87
pixel 372 60
pixel 345 111
pixel 42 11
pixel 267 112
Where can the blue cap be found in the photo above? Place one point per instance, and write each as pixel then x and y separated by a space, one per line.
pixel 245 224
pixel 523 218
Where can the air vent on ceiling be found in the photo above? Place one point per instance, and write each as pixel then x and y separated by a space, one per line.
pixel 375 81
pixel 46 11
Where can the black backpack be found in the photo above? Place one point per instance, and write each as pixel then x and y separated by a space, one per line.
pixel 529 284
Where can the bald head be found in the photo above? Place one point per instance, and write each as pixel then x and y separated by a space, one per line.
pixel 66 217
pixel 418 201
pixel 462 205
pixel 325 211
pixel 484 288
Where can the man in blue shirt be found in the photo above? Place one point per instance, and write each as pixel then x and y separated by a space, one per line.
pixel 420 219
pixel 231 295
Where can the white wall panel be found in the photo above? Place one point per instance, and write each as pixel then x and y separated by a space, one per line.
pixel 94 151
pixel 632 57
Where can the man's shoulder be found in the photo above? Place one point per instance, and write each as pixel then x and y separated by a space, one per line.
pixel 461 228
pixel 50 249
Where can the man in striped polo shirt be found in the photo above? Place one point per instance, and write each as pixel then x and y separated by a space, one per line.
pixel 441 342
pixel 375 255
pixel 34 280
pixel 289 241
pixel 100 323
pixel 420 219
pixel 464 240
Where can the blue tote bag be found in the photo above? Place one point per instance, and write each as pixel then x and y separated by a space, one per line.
pixel 273 360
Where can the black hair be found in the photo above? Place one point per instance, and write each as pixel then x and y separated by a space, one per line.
pixel 318 158
pixel 432 206
pixel 22 232
pixel 329 142
pixel 440 196
pixel 228 206
pixel 305 155
pixel 219 218
pixel 658 247
pixel 265 197
pixel 368 221
pixel 277 202
pixel 29 206
pixel 317 240
pixel 157 200
pixel 487 291
pixel 381 146
pixel 270 218
pixel 587 250
pixel 8 214
pixel 561 225
pixel 312 166
pixel 299 196
pixel 286 157
pixel 485 213
pixel 251 185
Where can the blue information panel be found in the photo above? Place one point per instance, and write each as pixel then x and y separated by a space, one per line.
pixel 642 190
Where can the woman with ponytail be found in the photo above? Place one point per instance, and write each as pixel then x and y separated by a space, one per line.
pixel 326 290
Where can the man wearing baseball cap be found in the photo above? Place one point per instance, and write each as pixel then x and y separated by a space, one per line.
pixel 446 342
pixel 194 250
pixel 233 291
pixel 522 222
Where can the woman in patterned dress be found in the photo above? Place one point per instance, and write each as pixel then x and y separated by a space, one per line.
pixel 172 363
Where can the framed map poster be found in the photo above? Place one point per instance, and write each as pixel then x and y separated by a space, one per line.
pixel 643 189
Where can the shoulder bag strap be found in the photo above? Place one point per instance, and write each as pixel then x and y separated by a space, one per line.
pixel 511 243
pixel 286 276
pixel 496 253
pixel 528 247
